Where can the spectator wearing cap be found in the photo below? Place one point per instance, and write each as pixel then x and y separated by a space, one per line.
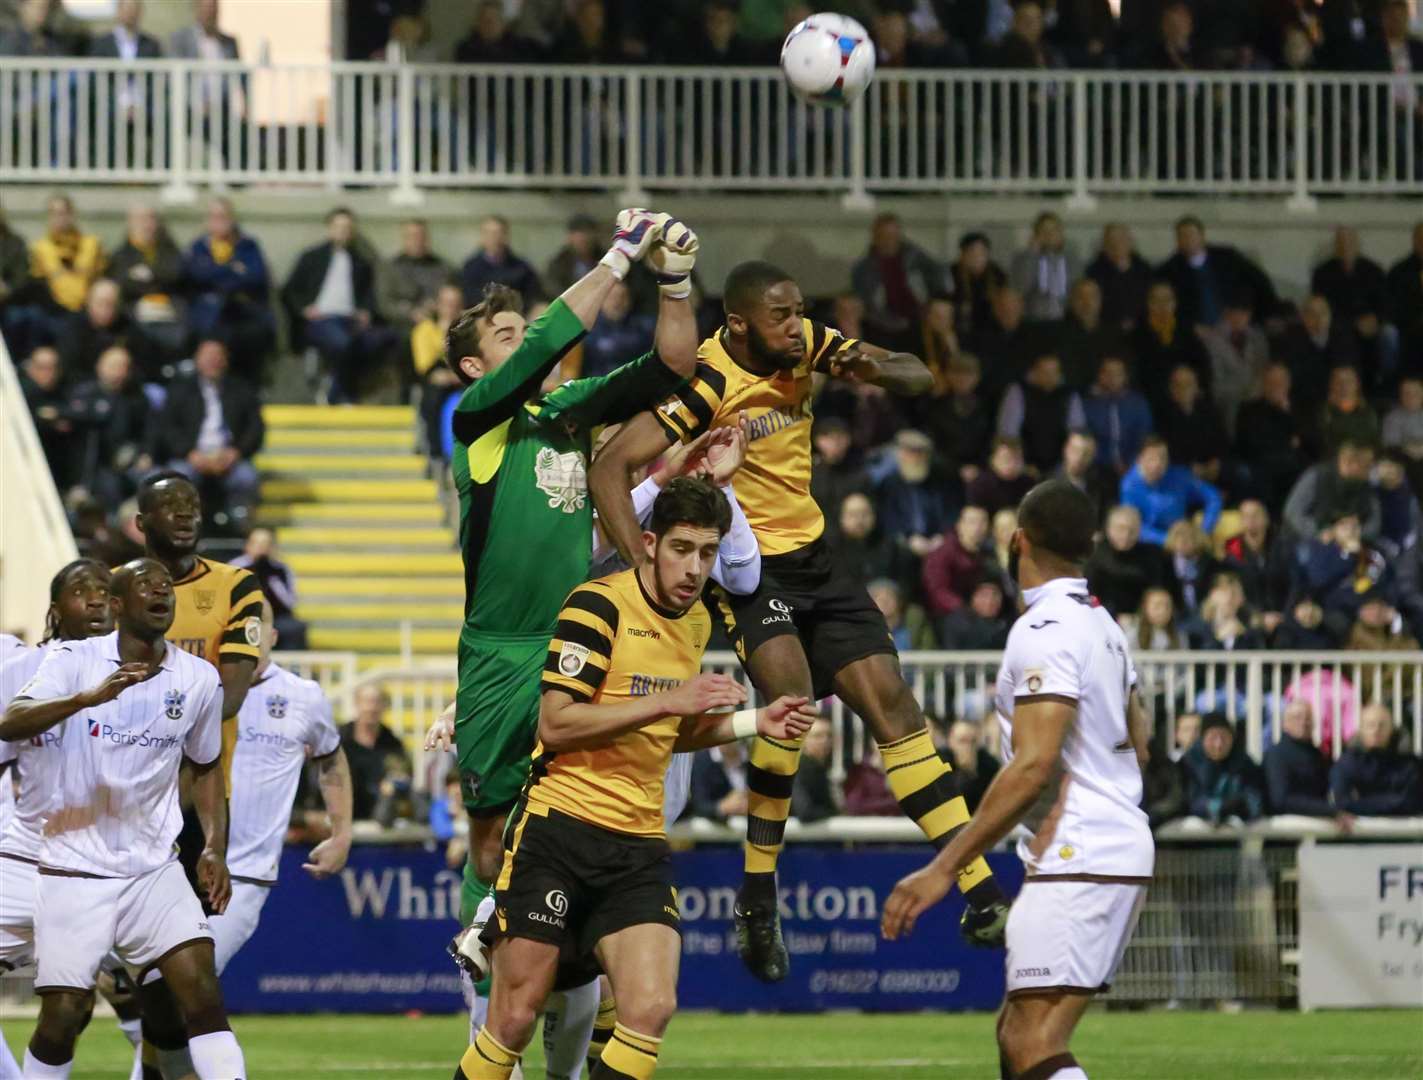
pixel 1331 489
pixel 1270 438
pixel 1164 493
pixel 1045 270
pixel 958 564
pixel 1204 276
pixel 1296 772
pixel 1039 411
pixel 834 472
pixel 1162 343
pixel 959 417
pixel 496 264
pixel 1221 780
pixel 1372 778
pixel 973 279
pixel 1313 347
pixel 413 279
pixel 1123 276
pixel 1123 567
pixel 1118 417
pixel 1345 414
pixel 895 278
pixel 1239 353
pixel 1194 434
pixel 913 500
pixel 1356 290
pixel 1004 483
pixel 1080 469
pixel 1082 337
pixel 978 624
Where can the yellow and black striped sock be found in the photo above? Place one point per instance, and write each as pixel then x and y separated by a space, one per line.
pixel 928 795
pixel 603 1025
pixel 770 779
pixel 486 1059
pixel 629 1056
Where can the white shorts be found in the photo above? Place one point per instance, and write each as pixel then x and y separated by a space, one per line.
pixel 17 913
pixel 1070 935
pixel 232 929
pixel 142 919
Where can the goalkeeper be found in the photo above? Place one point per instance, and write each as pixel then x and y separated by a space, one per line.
pixel 526 521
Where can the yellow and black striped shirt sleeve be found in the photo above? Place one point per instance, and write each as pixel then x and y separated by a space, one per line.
pixel 691 410
pixel 823 344
pixel 242 636
pixel 582 647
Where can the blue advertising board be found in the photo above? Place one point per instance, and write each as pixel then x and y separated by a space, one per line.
pixel 374 939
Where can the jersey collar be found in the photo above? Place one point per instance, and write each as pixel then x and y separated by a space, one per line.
pixel 1057 586
pixel 665 612
pixel 111 651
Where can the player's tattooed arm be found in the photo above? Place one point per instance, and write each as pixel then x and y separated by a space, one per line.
pixel 28 717
pixel 637 443
pixel 329 856
pixel 210 802
pixel 236 676
pixel 898 372
pixel 1139 729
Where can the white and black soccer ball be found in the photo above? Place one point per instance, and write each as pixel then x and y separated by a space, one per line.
pixel 828 59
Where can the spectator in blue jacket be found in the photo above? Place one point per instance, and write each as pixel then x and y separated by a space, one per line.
pixel 1372 778
pixel 494 263
pixel 1296 772
pixel 1117 415
pixel 619 334
pixel 231 292
pixel 1164 493
pixel 1221 780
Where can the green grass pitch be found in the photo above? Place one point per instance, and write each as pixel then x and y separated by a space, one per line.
pixel 705 1046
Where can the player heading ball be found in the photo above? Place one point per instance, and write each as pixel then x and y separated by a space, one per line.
pixel 586 866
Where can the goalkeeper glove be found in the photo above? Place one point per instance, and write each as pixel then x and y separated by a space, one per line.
pixel 673 258
pixel 634 234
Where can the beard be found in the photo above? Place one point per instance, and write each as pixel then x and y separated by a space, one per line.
pixel 762 352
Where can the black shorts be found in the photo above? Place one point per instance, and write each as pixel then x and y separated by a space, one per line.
pixel 571 884
pixel 801 593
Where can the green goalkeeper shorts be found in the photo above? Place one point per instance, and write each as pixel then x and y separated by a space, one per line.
pixel 497 717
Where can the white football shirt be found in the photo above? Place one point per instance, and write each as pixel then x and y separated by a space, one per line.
pixel 283 716
pixel 115 810
pixel 1066 645
pixel 35 764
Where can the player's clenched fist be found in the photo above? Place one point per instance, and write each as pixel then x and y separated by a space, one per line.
pixel 704 693
pixel 673 257
pixel 787 718
pixel 118 680
pixel 635 231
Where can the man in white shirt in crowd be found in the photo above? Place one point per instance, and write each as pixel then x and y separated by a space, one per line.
pixel 1074 739
pixel 79 609
pixel 283 717
pixel 129 708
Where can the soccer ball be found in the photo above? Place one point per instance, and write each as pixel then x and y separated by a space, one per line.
pixel 828 59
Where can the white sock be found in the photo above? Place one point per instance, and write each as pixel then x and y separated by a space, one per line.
pixel 9 1067
pixel 133 1031
pixel 176 1064
pixel 38 1070
pixel 136 1073
pixel 216 1056
pixel 1073 1072
pixel 568 1029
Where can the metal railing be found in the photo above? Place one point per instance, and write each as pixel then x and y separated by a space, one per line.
pixel 1251 688
pixel 408 127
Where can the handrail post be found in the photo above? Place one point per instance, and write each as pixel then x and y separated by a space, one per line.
pixel 405 192
pixel 1255 708
pixel 178 190
pixel 857 197
pixel 1081 201
pixel 1301 202
pixel 633 193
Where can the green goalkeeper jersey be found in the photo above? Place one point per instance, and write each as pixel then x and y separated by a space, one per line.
pixel 520 467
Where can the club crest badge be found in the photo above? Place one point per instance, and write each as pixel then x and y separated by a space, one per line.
pixel 563 478
pixel 173 704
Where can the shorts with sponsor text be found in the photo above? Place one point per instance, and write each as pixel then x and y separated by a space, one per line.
pixel 802 593
pixel 17 912
pixel 1069 934
pixel 497 717
pixel 571 884
pixel 78 920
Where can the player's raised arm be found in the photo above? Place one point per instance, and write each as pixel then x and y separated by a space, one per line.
pixel 638 442
pixel 898 372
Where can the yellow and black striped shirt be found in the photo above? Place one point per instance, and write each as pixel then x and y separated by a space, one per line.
pixel 615 642
pixel 773 487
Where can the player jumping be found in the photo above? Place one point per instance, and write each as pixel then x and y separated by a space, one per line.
pixel 526 524
pixel 804 632
pixel 587 868
pixel 1075 741
pixel 132 708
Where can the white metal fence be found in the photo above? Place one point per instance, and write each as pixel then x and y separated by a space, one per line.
pixel 1251 688
pixel 407 127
